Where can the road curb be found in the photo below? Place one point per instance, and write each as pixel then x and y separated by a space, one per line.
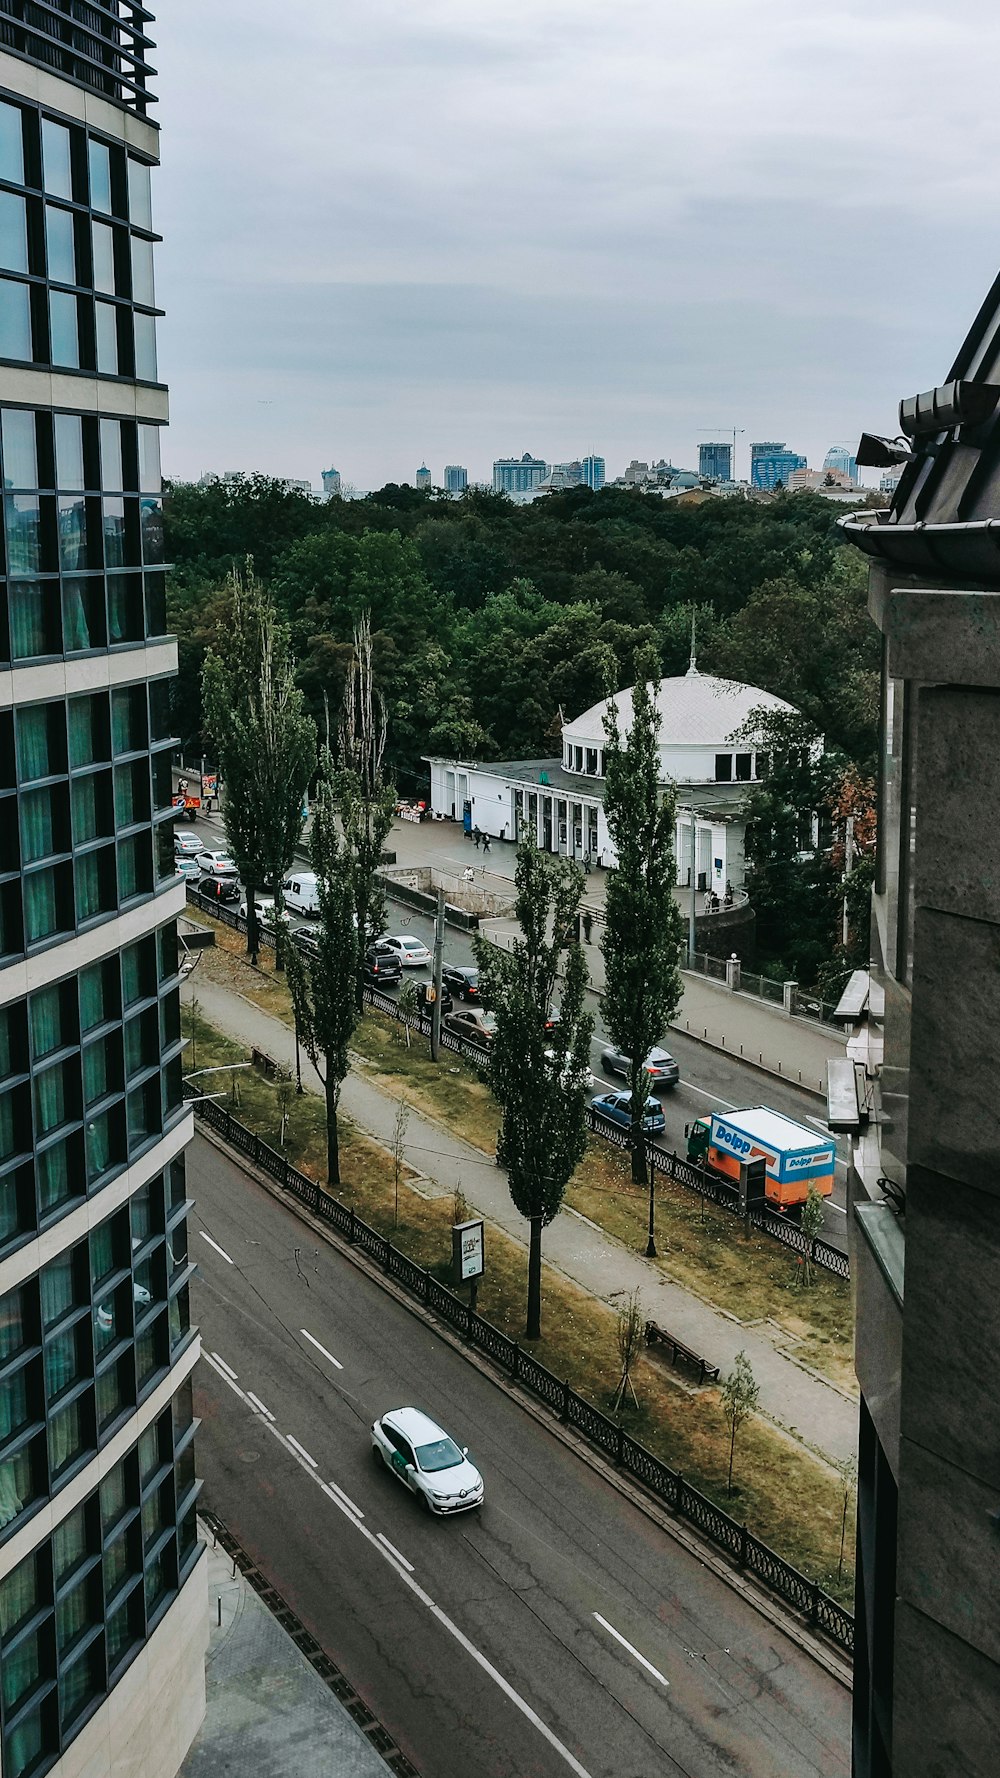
pixel 723 1049
pixel 770 1608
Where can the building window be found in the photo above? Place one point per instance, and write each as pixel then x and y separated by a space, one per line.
pixel 592 761
pixel 723 768
pixel 15 320
pixel 744 762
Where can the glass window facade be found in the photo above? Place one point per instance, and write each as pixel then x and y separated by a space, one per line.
pixel 77 1610
pixel 75 223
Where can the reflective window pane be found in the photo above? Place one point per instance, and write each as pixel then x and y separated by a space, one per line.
pixel 56 159
pixel 83 618
pixel 65 329
pixel 114 532
pixel 142 271
pixel 151 519
pixel 99 157
pixel 104 258
pixel 12 146
pixel 149 460
pixel 69 452
pixel 34 620
pixel 14 235
pixel 145 348
pixel 140 206
pixel 23 518
pixel 72 533
pixel 15 320
pixel 20 456
pixel 60 245
pixel 107 339
pixel 111 455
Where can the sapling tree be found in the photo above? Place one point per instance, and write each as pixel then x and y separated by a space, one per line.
pixel 539 1072
pixel 323 985
pixel 740 1395
pixel 643 925
pixel 811 1221
pixel 629 1328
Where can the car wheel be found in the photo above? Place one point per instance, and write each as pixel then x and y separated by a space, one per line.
pixel 379 1455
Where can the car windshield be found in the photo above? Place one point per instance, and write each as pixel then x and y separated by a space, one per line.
pixel 442 1454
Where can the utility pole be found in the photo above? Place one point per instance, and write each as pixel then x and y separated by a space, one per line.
pixel 848 867
pixel 438 965
pixel 693 911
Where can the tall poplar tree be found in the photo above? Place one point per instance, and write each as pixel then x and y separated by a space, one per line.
pixel 366 798
pixel 540 1078
pixel 264 741
pixel 643 924
pixel 322 986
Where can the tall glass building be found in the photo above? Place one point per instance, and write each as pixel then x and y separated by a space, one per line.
pixel 102 1590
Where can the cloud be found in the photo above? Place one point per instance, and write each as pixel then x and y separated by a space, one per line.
pixel 436 231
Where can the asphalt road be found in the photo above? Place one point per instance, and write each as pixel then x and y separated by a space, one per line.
pixel 709 1079
pixel 556 1631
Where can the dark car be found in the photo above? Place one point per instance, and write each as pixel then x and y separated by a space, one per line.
pixel 463 980
pixel 382 967
pixel 306 942
pixel 426 1006
pixel 224 889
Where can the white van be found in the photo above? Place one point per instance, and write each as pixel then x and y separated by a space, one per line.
pixel 301 893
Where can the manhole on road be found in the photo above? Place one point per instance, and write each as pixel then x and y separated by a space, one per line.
pixel 249 1456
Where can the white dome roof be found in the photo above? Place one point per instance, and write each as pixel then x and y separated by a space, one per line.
pixel 695 710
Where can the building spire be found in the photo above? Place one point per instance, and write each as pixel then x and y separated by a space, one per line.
pixel 692 672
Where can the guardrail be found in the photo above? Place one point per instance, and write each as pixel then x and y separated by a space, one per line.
pixel 746 1551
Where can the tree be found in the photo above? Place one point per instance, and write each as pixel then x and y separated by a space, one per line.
pixel 740 1395
pixel 629 1329
pixel 643 925
pixel 813 1213
pixel 539 1076
pixel 367 802
pixel 323 985
pixel 398 1154
pixel 847 1469
pixel 264 741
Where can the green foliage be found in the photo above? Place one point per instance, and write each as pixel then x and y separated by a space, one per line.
pixel 813 1215
pixel 643 925
pixel 739 1395
pixel 366 801
pixel 264 742
pixel 539 1077
pixel 323 987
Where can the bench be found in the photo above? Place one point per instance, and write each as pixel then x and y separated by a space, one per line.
pixel 266 1065
pixel 681 1354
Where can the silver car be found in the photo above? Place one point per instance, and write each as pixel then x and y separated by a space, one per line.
pixel 661 1069
pixel 427 1461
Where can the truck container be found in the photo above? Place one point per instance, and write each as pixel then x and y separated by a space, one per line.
pixel 795 1158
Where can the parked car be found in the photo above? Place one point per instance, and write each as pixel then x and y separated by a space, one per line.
pixel 306 942
pixel 412 952
pixel 187 867
pixel 427 1461
pixel 382 968
pixel 187 845
pixel 300 893
pixel 618 1107
pixel 562 1061
pixel 265 908
pixel 427 1006
pixel 223 889
pixel 462 979
pixel 661 1069
pixel 474 1024
pixel 216 864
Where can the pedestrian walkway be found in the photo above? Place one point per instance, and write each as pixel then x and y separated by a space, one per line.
pixel 268 1713
pixel 811 1409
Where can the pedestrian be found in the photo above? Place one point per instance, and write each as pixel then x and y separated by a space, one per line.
pixel 486 842
pixel 588 926
pixel 586 864
pixel 477 836
pixel 469 874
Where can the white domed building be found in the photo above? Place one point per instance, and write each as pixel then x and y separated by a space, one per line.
pixel 562 800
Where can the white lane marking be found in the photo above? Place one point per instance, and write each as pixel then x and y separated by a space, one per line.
pixel 339 1498
pixel 393 1550
pixel 259 1405
pixel 705 1095
pixel 306 1335
pixel 841 1209
pixel 655 1671
pixel 302 1452
pixel 215 1244
pixel 442 1617
pixel 224 1366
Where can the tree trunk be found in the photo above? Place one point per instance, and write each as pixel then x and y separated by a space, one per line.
pixel 533 1328
pixel 253 935
pixel 637 1135
pixel 332 1133
pixel 732 1449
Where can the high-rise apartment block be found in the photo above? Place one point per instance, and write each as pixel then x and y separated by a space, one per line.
pixel 103 1606
pixel 423 478
pixel 518 475
pixel 331 483
pixel 772 463
pixel 456 478
pixel 918 1096
pixel 715 462
pixel 842 461
pixel 593 473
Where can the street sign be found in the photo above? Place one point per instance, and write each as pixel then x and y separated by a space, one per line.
pixel 209 784
pixel 468 1251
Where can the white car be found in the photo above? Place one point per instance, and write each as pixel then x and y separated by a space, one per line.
pixel 216 864
pixel 428 1462
pixel 186 867
pixel 186 845
pixel 567 1075
pixel 412 952
pixel 264 905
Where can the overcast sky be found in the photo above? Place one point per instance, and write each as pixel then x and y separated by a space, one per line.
pixel 455 230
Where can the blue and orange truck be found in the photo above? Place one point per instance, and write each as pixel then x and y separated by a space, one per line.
pixel 794 1158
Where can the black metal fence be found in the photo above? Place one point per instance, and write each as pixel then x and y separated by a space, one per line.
pixel 683 1172
pixel 747 1552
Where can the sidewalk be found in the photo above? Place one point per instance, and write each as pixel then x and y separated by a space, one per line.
pixel 268 1712
pixel 812 1410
